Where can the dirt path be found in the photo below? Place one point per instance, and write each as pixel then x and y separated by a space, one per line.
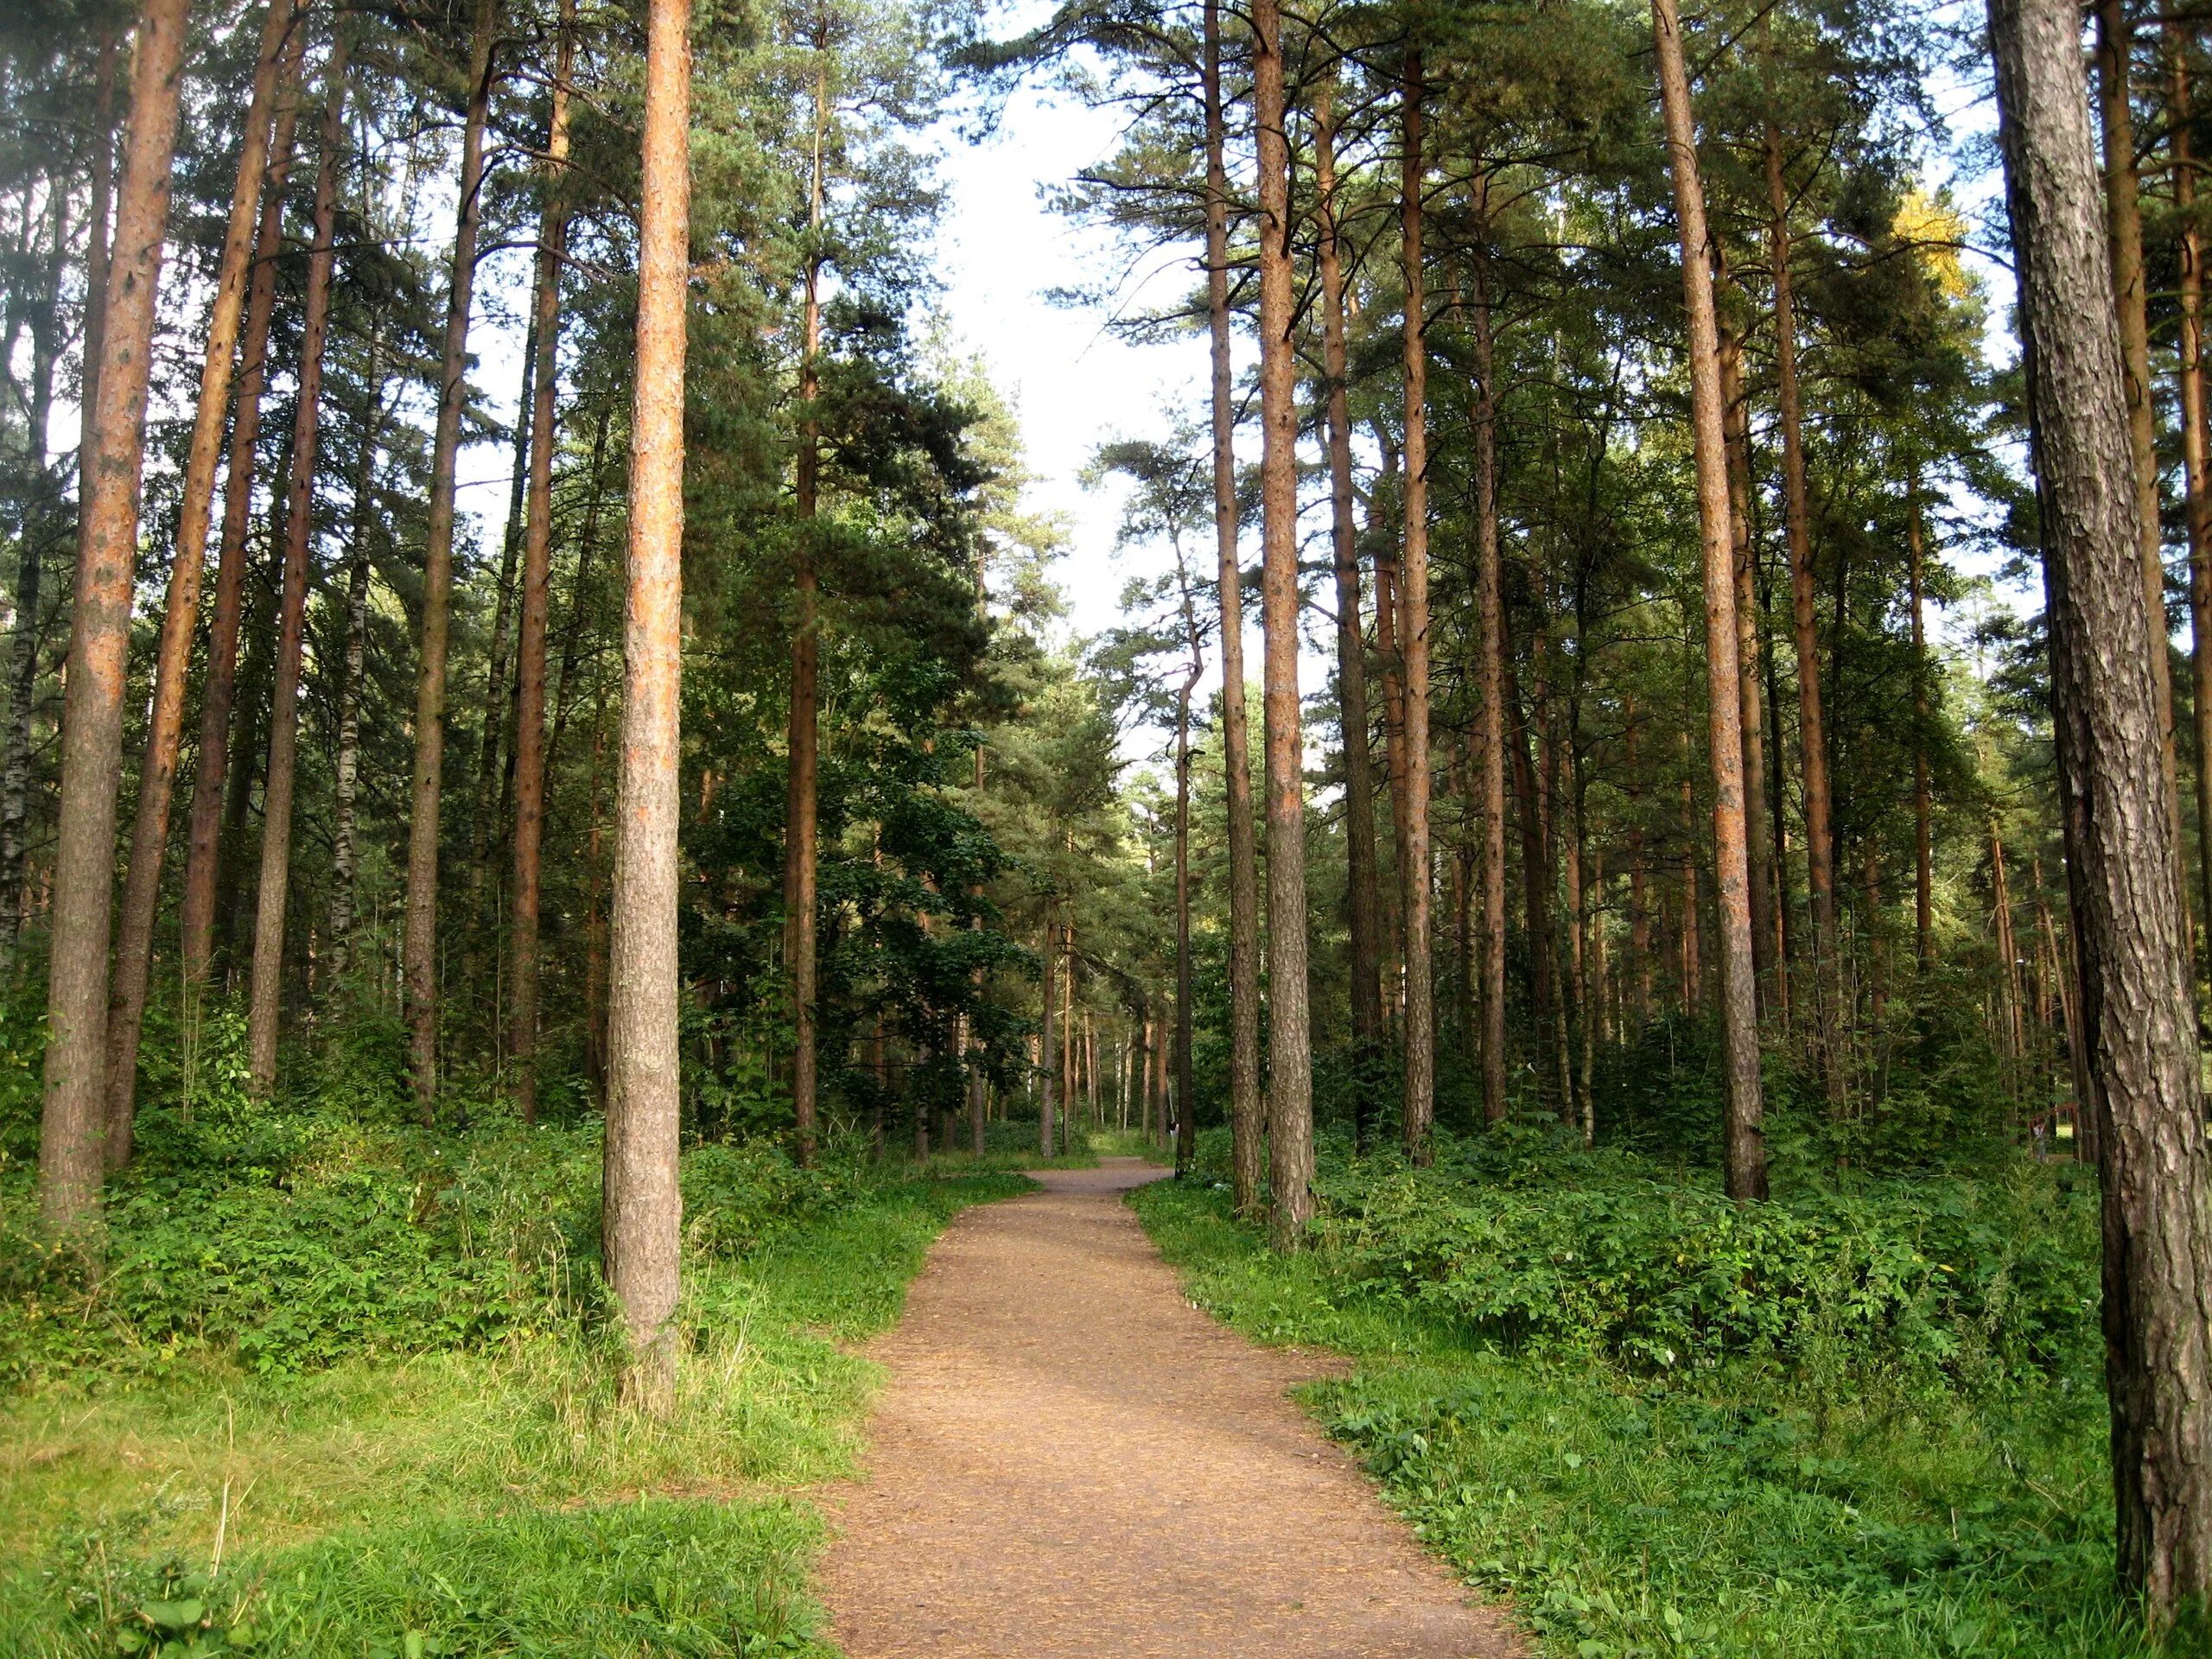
pixel 1070 1461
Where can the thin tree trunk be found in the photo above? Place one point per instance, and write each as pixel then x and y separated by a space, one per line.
pixel 2124 233
pixel 1047 1044
pixel 644 1205
pixel 346 767
pixel 1186 1134
pixel 1490 669
pixel 2136 1019
pixel 536 576
pixel 1363 899
pixel 572 633
pixel 1413 873
pixel 420 953
pixel 203 867
pixel 71 1128
pixel 1758 842
pixel 274 82
pixel 1247 1129
pixel 1924 805
pixel 267 990
pixel 802 823
pixel 1290 1076
pixel 491 763
pixel 1819 842
pixel 1745 1151
pixel 2196 466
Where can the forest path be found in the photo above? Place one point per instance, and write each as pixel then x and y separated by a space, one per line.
pixel 1070 1460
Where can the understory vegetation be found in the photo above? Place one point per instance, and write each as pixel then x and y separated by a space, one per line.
pixel 1866 1418
pixel 351 1388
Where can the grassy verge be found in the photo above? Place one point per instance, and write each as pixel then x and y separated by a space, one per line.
pixel 1807 1500
pixel 482 1499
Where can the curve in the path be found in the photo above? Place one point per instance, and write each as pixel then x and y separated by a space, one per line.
pixel 1069 1461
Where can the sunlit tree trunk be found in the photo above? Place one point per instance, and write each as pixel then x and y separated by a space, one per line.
pixel 1420 990
pixel 1247 1129
pixel 1363 899
pixel 1758 843
pixel 1290 1078
pixel 419 956
pixel 2137 1021
pixel 1745 1148
pixel 266 995
pixel 2196 466
pixel 536 575
pixel 644 1205
pixel 205 836
pixel 276 74
pixel 2123 235
pixel 72 1119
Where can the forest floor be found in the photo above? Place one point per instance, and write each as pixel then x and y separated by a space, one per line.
pixel 1070 1459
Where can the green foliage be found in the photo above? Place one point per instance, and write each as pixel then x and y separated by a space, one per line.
pixel 1881 1433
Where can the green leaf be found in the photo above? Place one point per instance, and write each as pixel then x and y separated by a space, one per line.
pixel 172 1615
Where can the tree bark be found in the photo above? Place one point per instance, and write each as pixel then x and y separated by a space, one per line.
pixel 802 816
pixel 2136 1019
pixel 1363 899
pixel 266 996
pixel 275 81
pixel 1047 1044
pixel 1290 1077
pixel 492 741
pixel 345 765
pixel 1758 842
pixel 1924 805
pixel 644 1206
pixel 536 575
pixel 419 952
pixel 73 1116
pixel 1247 1129
pixel 1745 1151
pixel 204 838
pixel 1490 710
pixel 2196 464
pixel 2124 233
pixel 1420 990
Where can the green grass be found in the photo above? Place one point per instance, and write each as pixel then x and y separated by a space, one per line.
pixel 488 1501
pixel 1011 1147
pixel 1823 1506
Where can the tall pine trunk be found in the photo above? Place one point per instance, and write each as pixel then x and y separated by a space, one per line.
pixel 266 995
pixel 1490 670
pixel 1290 1076
pixel 346 764
pixel 1924 799
pixel 1421 989
pixel 1186 1131
pixel 537 574
pixel 72 1117
pixel 419 954
pixel 1744 1147
pixel 1246 1128
pixel 644 1205
pixel 802 815
pixel 1362 899
pixel 1758 842
pixel 274 78
pixel 2136 1022
pixel 2196 464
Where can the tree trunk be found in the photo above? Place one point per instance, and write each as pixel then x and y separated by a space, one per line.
pixel 2124 233
pixel 1924 805
pixel 71 1130
pixel 1186 1133
pixel 204 838
pixel 1247 1129
pixel 1490 708
pixel 492 738
pixel 1361 898
pixel 537 574
pixel 1819 842
pixel 802 821
pixel 1413 873
pixel 267 993
pixel 1290 1077
pixel 644 1205
pixel 1758 842
pixel 23 677
pixel 2196 466
pixel 1745 1150
pixel 419 960
pixel 2136 1019
pixel 347 764
pixel 274 78
pixel 1047 1044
